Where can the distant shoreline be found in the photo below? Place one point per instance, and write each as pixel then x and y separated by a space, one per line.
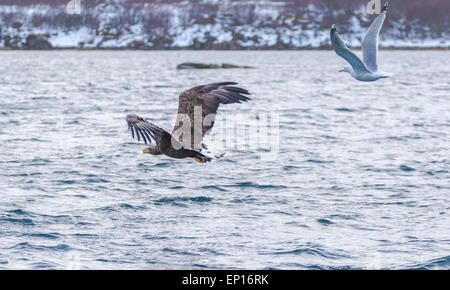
pixel 193 49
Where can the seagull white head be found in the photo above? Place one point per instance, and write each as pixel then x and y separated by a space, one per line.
pixel 347 69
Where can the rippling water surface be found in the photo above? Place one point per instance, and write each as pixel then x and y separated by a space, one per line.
pixel 361 179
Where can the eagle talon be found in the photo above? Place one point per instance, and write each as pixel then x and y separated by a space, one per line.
pixel 199 160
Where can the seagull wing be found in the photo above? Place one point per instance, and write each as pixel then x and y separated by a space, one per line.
pixel 370 42
pixel 343 51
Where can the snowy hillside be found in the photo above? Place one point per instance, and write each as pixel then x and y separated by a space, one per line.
pixel 217 24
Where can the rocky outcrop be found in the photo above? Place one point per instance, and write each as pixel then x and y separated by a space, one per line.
pixel 197 65
pixel 37 42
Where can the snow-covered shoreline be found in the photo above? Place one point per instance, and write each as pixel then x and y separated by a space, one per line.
pixel 230 26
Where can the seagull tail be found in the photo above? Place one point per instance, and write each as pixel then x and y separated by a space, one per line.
pixel 387 75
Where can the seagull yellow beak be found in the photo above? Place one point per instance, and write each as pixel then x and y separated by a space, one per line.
pixel 341 70
pixel 145 151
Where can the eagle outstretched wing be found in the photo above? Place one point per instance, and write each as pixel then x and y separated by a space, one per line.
pixel 144 129
pixel 205 99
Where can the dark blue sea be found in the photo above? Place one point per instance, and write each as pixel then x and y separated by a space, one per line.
pixel 353 176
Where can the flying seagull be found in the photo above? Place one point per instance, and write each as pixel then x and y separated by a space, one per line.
pixel 367 70
pixel 186 140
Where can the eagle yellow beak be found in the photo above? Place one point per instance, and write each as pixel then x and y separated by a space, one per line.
pixel 145 151
pixel 341 70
